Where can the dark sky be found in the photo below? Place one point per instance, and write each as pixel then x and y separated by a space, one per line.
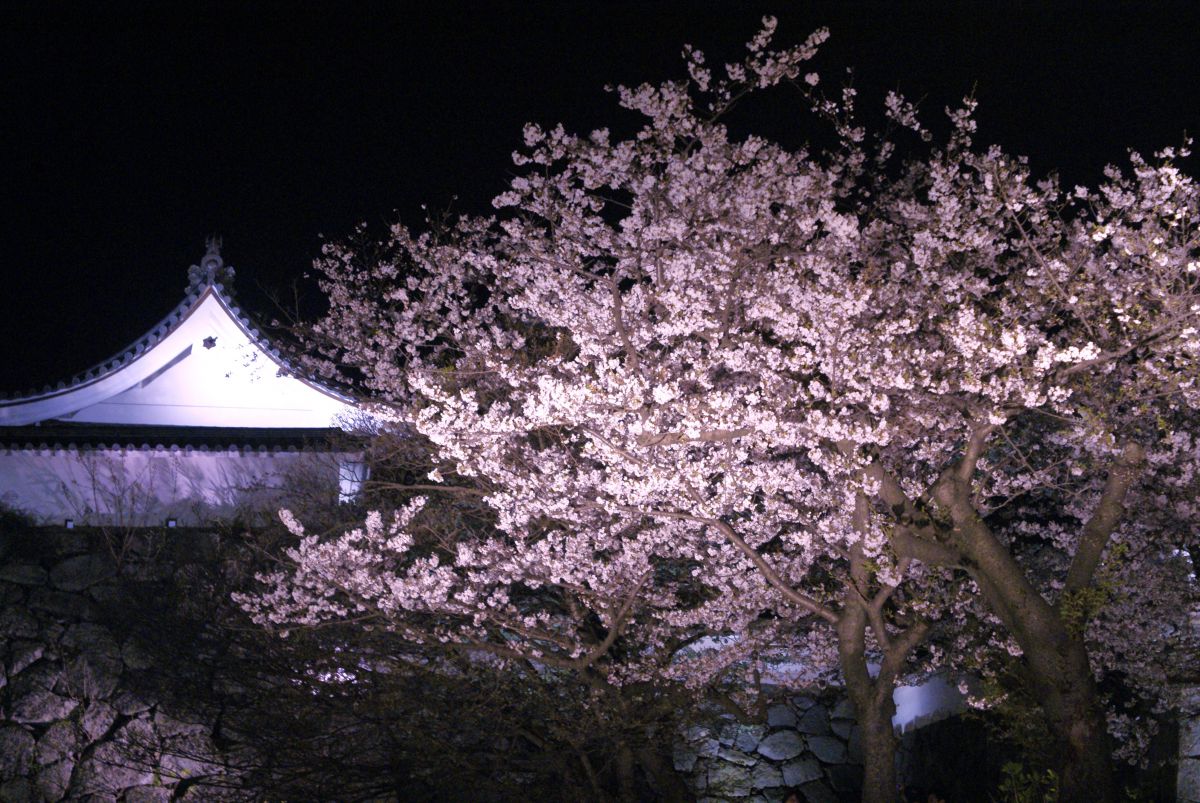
pixel 130 135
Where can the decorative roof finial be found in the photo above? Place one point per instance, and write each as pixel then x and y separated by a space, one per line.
pixel 212 261
pixel 212 269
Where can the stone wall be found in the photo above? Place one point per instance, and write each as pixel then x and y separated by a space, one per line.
pixel 807 746
pixel 75 719
pixel 812 748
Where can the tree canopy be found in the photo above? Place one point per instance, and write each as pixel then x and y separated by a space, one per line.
pixel 726 402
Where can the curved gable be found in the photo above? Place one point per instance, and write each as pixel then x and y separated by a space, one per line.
pixel 203 366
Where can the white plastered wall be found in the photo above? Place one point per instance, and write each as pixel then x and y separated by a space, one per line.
pixel 144 487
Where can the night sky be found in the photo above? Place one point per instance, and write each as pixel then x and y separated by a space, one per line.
pixel 129 136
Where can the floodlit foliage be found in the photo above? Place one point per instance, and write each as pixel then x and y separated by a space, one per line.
pixel 708 385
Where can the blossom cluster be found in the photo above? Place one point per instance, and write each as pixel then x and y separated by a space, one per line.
pixel 675 364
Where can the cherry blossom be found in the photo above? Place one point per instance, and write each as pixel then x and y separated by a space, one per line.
pixel 828 404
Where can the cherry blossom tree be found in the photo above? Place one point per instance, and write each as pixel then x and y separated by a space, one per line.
pixel 707 384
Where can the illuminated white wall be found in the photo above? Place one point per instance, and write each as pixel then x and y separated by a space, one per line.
pixel 931 701
pixel 133 487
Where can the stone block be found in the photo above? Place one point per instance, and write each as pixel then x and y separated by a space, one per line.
pixel 23 654
pixel 54 779
pixel 61 740
pixel 1189 738
pixel 17 790
pixel 747 737
pixel 781 746
pixel 829 749
pixel 684 758
pixel 854 745
pixel 17 622
pixel 91 638
pixel 16 751
pixel 147 794
pixel 843 710
pixel 802 702
pixel 97 719
pixel 818 792
pixel 796 773
pixel 40 707
pixel 128 703
pixel 842 727
pixel 93 677
pixel 109 772
pixel 728 780
pixel 766 776
pixel 135 656
pixel 63 604
pixel 184 758
pixel 1187 783
pixel 736 757
pixel 40 675
pixel 70 542
pixel 815 721
pixel 82 571
pixel 25 574
pixel 106 594
pixel 781 716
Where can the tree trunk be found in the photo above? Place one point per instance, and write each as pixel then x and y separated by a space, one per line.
pixel 1065 690
pixel 879 752
pixel 626 783
pixel 874 706
pixel 1062 680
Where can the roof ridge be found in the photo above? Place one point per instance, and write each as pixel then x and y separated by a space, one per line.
pixel 210 276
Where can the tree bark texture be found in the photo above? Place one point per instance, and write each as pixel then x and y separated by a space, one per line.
pixel 1057 659
pixel 874 706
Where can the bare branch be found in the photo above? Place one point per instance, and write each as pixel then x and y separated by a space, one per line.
pixel 615 629
pixel 802 600
pixel 709 436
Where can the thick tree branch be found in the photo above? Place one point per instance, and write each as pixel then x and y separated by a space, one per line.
pixel 802 600
pixel 916 535
pixel 931 553
pixel 896 654
pixel 1106 517
pixel 1000 576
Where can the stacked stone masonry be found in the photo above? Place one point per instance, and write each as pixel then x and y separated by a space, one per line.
pixel 71 727
pixel 807 746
